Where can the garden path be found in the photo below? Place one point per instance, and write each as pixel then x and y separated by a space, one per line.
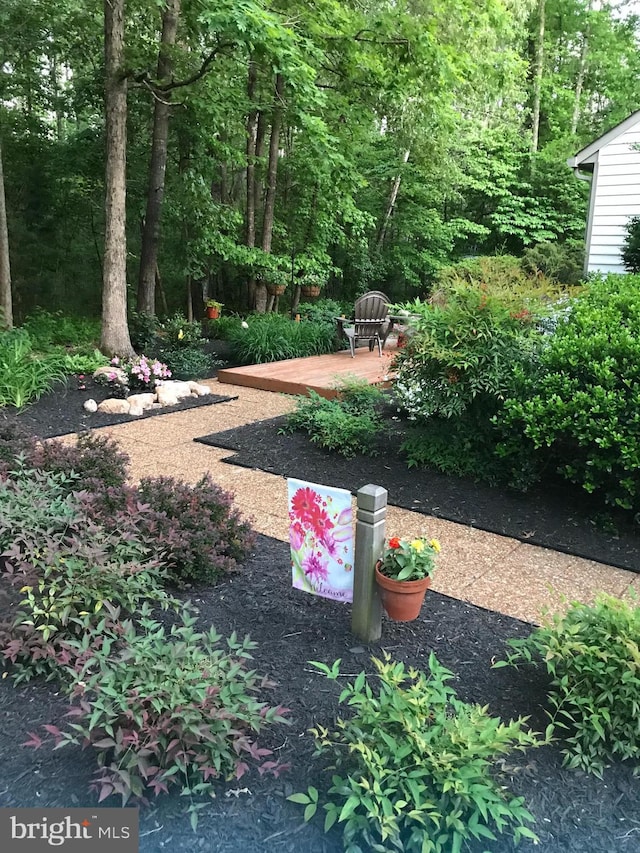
pixel 491 571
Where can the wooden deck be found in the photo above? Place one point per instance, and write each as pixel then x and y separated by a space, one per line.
pixel 319 373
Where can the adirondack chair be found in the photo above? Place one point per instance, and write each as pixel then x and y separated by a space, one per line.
pixel 370 322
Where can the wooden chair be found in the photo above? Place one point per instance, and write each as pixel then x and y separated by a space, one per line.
pixel 370 322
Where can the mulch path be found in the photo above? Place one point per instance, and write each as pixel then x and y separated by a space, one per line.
pixel 575 813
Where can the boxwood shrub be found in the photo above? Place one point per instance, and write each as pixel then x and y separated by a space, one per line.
pixel 582 407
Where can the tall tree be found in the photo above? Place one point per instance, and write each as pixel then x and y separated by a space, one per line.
pixel 115 332
pixel 6 304
pixel 157 168
pixel 538 68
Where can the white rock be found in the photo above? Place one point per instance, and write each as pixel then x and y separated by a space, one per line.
pixel 141 401
pixel 110 371
pixel 135 411
pixel 112 406
pixel 199 390
pixel 90 406
pixel 166 396
pixel 172 390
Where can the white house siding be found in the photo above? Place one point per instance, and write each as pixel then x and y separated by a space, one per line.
pixel 615 198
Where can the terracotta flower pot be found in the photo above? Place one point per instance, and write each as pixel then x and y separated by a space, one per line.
pixel 213 313
pixel 402 600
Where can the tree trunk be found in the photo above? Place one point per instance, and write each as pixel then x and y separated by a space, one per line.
pixel 155 191
pixel 393 197
pixel 115 332
pixel 537 78
pixel 6 305
pixel 582 71
pixel 270 197
pixel 252 141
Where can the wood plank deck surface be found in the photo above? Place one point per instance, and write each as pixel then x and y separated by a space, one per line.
pixel 320 373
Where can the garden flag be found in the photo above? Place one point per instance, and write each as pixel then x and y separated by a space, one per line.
pixel 321 537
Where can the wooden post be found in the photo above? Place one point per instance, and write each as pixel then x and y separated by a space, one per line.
pixel 366 615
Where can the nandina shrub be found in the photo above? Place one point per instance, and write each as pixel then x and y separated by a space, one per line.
pixel 411 767
pixel 171 709
pixel 14 441
pixel 592 654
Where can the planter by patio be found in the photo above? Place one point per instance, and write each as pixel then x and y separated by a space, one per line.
pixel 402 600
pixel 213 313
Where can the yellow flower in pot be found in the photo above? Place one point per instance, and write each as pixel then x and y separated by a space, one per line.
pixel 403 575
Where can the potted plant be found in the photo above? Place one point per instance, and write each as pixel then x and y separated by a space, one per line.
pixel 213 309
pixel 403 575
pixel 311 284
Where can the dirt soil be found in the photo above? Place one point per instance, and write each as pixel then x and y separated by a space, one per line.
pixel 575 813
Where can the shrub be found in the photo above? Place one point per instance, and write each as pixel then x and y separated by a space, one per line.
pixel 48 330
pixel 560 262
pixel 178 333
pixel 273 337
pixel 631 246
pixel 413 765
pixel 201 535
pixel 143 330
pixel 347 425
pixel 592 654
pixel 188 363
pixel 220 329
pixel 322 311
pixel 580 410
pixel 68 566
pixel 25 375
pixel 500 274
pixel 171 709
pixel 96 459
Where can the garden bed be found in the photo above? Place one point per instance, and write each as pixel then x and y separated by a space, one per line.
pixel 575 813
pixel 60 411
pixel 556 515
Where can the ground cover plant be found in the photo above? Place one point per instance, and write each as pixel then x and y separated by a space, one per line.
pixel 24 374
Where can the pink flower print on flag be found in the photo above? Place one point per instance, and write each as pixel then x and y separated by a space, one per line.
pixel 314 568
pixel 296 536
pixel 304 505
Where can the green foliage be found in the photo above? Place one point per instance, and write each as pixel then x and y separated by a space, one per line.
pixel 85 363
pixel 220 329
pixel 172 709
pixel 143 330
pixel 322 311
pixel 562 263
pixel 177 332
pixel 274 337
pixel 581 408
pixel 414 765
pixel 592 653
pixel 347 425
pixel 631 246
pixel 466 349
pixel 189 363
pixel 24 374
pixel 49 329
